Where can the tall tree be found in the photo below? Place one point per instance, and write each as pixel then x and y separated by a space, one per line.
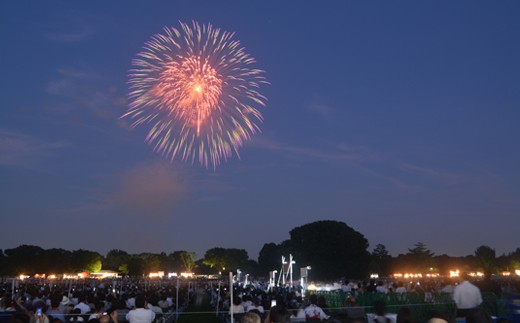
pixel 487 259
pixel 136 266
pixel 513 259
pixel 116 258
pixel 25 259
pixel 420 250
pixel 4 270
pixel 57 260
pixel 188 260
pixel 331 248
pixel 381 259
pixel 270 256
pixel 420 258
pixel 228 259
pixel 152 262
pixel 85 260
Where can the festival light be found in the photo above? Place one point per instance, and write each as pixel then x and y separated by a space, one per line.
pixel 103 274
pixel 187 275
pixel 413 275
pixel 70 276
pixel 158 274
pixel 454 273
pixel 196 89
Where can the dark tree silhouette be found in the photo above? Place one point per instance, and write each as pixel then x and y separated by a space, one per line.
pixel 380 260
pixel 487 259
pixel 331 248
pixel 135 266
pixel 85 260
pixel 116 259
pixel 229 259
pixel 270 257
pixel 25 259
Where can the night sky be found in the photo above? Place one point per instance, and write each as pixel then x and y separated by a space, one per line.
pixel 399 118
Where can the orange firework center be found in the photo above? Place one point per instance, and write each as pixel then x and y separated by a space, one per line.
pixel 189 89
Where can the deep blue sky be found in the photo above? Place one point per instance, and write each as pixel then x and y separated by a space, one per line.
pixel 399 118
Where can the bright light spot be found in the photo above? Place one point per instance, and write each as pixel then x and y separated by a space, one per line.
pixel 103 274
pixel 517 272
pixel 311 287
pixel 159 274
pixel 454 273
pixel 412 275
pixel 186 275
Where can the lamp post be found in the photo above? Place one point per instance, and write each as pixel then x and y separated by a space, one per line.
pixel 304 274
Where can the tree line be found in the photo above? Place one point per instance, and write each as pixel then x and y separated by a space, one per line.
pixel 331 248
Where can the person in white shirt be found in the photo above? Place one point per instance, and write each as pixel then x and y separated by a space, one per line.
pixel 140 314
pixel 83 307
pixel 313 311
pixel 466 297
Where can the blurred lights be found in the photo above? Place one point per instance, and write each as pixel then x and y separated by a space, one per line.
pixel 159 274
pixel 454 273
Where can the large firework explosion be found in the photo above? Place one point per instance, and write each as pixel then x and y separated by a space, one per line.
pixel 196 88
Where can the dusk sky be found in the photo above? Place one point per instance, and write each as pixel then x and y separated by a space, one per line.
pixel 399 118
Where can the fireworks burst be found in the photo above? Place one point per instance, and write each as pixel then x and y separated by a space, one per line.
pixel 196 88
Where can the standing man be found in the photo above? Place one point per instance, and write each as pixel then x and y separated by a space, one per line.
pixel 466 296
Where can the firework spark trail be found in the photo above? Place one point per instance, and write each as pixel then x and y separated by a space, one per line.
pixel 195 86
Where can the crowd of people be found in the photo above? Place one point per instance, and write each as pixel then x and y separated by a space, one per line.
pixel 146 301
pixel 130 301
pixel 462 300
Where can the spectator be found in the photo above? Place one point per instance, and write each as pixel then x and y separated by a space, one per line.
pixel 251 317
pixel 140 314
pixel 75 316
pixel 466 297
pixel 313 311
pixel 55 311
pixel 83 307
pixel 380 310
pixel 278 314
pixel 237 307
